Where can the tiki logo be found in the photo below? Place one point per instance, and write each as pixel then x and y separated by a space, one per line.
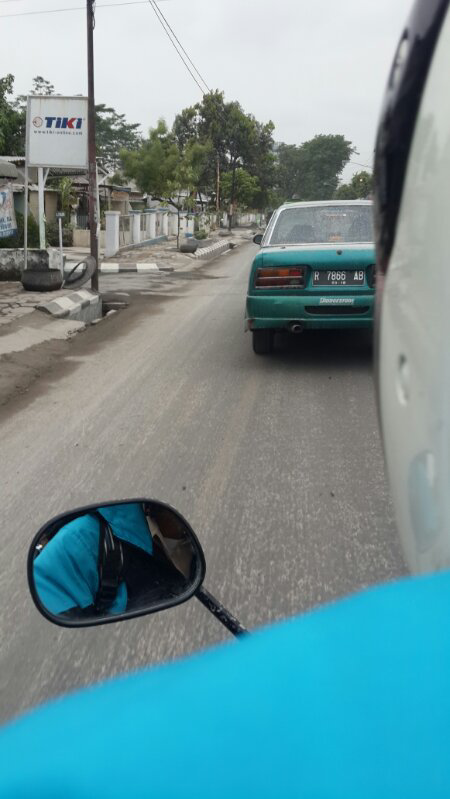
pixel 63 123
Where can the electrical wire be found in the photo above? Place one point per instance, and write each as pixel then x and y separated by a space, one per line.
pixel 154 3
pixel 159 18
pixel 73 8
pixel 367 166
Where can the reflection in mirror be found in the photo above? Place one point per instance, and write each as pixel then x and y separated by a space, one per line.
pixel 103 561
pixel 257 239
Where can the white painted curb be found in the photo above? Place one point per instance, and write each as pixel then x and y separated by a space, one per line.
pixel 116 268
pixel 206 252
pixel 84 305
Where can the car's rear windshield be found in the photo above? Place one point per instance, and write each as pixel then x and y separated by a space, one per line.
pixel 323 225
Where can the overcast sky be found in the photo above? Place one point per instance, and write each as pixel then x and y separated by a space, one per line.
pixel 311 66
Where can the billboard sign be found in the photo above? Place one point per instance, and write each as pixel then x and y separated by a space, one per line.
pixel 8 225
pixel 57 131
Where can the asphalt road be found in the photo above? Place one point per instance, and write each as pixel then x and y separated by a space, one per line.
pixel 275 461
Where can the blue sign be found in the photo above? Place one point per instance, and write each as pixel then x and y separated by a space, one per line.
pixel 8 224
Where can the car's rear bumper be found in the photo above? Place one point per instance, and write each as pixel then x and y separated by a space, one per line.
pixel 317 311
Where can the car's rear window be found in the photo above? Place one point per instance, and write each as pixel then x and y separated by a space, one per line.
pixel 323 224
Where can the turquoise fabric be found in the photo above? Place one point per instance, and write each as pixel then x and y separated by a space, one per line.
pixel 128 522
pixel 351 701
pixel 66 572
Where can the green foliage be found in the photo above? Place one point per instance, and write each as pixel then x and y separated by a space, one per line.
pixel 234 140
pixel 42 86
pixel 360 187
pixel 245 190
pixel 52 234
pixel 154 164
pixel 67 196
pixel 39 86
pixel 113 134
pixel 190 169
pixel 201 234
pixel 311 170
pixel 12 120
pixel 11 242
pixel 117 179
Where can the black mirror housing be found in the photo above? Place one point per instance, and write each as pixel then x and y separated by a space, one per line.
pixel 257 239
pixel 114 561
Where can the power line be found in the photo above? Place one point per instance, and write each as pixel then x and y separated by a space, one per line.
pixel 177 39
pixel 160 20
pixel 73 8
pixel 367 166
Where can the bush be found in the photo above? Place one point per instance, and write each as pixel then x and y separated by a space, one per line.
pixel 52 230
pixel 201 234
pixel 12 242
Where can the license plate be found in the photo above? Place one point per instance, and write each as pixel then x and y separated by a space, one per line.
pixel 336 277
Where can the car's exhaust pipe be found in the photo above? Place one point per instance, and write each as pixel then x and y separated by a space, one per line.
pixel 296 327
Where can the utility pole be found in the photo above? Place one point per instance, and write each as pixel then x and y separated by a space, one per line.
pixel 90 7
pixel 218 184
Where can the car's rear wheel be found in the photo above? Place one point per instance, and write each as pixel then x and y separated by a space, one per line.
pixel 263 341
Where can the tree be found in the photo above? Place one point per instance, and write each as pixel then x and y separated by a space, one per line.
pixel 311 170
pixel 154 163
pixel 42 86
pixel 246 188
pixel 360 187
pixel 113 134
pixel 262 163
pixel 236 141
pixel 39 86
pixel 67 196
pixel 12 120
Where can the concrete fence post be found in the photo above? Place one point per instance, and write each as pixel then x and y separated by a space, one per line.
pixel 173 223
pixel 152 225
pixel 136 227
pixel 112 233
pixel 147 224
pixel 165 223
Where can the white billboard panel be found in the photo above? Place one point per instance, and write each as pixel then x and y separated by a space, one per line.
pixel 57 131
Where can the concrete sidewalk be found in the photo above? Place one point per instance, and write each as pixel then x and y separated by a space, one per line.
pixel 164 255
pixel 16 303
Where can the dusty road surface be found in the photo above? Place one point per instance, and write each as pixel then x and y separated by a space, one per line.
pixel 275 461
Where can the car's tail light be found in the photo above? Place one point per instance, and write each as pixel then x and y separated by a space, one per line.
pixel 292 277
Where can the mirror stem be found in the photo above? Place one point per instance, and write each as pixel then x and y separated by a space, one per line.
pixel 221 613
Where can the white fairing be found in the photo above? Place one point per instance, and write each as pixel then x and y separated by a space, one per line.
pixel 415 334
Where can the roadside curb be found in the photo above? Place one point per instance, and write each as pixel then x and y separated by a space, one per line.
pixel 83 305
pixel 206 252
pixel 115 268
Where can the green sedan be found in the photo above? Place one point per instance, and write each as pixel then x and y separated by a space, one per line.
pixel 315 269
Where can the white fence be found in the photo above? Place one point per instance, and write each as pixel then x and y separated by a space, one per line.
pixel 126 230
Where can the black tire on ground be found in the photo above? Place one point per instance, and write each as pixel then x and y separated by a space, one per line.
pixel 42 279
pixel 263 341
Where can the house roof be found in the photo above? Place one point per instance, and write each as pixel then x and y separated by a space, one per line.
pixel 54 172
pixel 8 170
pixel 19 188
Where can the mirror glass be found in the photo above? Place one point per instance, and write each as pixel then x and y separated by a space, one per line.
pixel 258 238
pixel 103 562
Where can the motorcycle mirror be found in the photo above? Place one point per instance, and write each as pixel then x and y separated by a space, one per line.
pixel 113 561
pixel 257 239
